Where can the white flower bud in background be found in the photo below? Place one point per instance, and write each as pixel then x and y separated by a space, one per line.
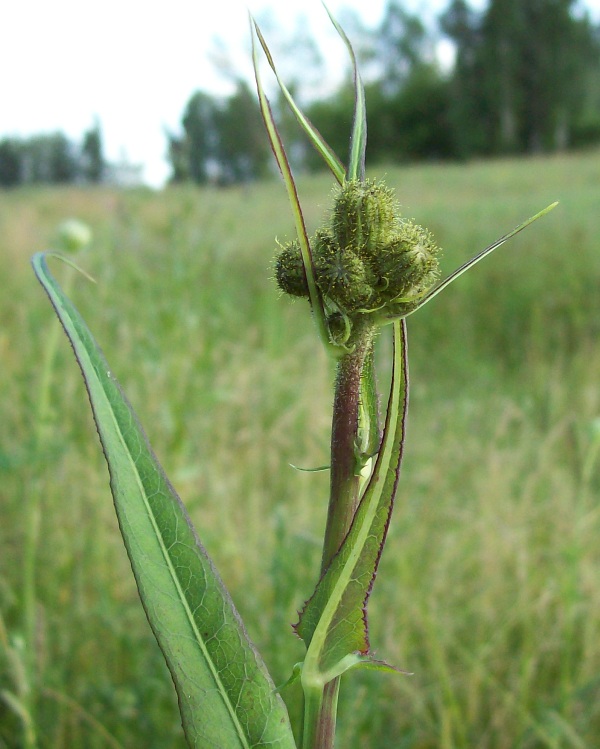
pixel 73 235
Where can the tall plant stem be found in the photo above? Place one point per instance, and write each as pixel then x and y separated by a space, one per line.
pixel 320 713
pixel 321 707
pixel 345 479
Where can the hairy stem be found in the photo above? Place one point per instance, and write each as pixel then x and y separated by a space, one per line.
pixel 345 479
pixel 321 705
pixel 320 711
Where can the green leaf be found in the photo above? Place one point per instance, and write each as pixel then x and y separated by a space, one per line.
pixel 369 428
pixel 318 469
pixel 314 136
pixel 226 696
pixel 295 676
pixel 358 137
pixel 333 623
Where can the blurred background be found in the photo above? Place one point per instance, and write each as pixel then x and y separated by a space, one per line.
pixel 143 123
pixel 138 95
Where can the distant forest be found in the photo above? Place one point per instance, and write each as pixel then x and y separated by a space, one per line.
pixel 525 78
pixel 52 159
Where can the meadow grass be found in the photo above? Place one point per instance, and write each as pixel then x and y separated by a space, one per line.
pixel 488 589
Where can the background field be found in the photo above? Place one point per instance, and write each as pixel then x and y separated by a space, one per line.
pixel 489 588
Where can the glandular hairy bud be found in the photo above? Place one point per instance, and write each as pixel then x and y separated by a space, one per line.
pixel 364 214
pixel 407 265
pixel 339 328
pixel 341 273
pixel 289 270
pixel 367 259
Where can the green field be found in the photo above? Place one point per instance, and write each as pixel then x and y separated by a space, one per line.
pixel 489 588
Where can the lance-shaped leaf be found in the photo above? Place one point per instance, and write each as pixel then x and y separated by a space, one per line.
pixel 226 696
pixel 333 623
pixel 358 137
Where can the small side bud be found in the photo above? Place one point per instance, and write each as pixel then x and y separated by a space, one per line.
pixel 289 270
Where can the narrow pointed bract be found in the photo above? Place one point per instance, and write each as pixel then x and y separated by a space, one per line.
pixel 358 137
pixel 366 267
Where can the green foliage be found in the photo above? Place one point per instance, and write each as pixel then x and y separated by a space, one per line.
pixel 525 78
pixel 10 162
pixel 522 74
pixel 400 46
pixel 222 142
pixel 414 123
pixel 334 116
pixel 366 268
pixel 487 593
pixel 225 695
pixel 51 159
pixel 192 155
pixel 333 623
pixel 92 156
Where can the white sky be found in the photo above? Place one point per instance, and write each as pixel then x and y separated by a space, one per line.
pixel 134 64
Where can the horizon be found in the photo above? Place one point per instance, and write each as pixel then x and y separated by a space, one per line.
pixel 135 68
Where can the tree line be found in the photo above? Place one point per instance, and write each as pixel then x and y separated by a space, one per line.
pixel 52 159
pixel 525 78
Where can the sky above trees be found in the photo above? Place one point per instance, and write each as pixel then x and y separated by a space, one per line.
pixel 134 65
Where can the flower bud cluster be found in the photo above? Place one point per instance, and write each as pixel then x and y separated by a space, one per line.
pixel 367 259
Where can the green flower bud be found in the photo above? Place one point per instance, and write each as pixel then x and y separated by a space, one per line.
pixel 367 260
pixel 289 270
pixel 364 216
pixel 406 266
pixel 340 273
pixel 73 235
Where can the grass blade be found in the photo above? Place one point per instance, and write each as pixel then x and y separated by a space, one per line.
pixel 226 697
pixel 358 138
pixel 333 623
pixel 315 137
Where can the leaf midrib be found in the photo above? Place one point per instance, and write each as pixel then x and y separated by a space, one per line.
pixel 322 628
pixel 169 562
